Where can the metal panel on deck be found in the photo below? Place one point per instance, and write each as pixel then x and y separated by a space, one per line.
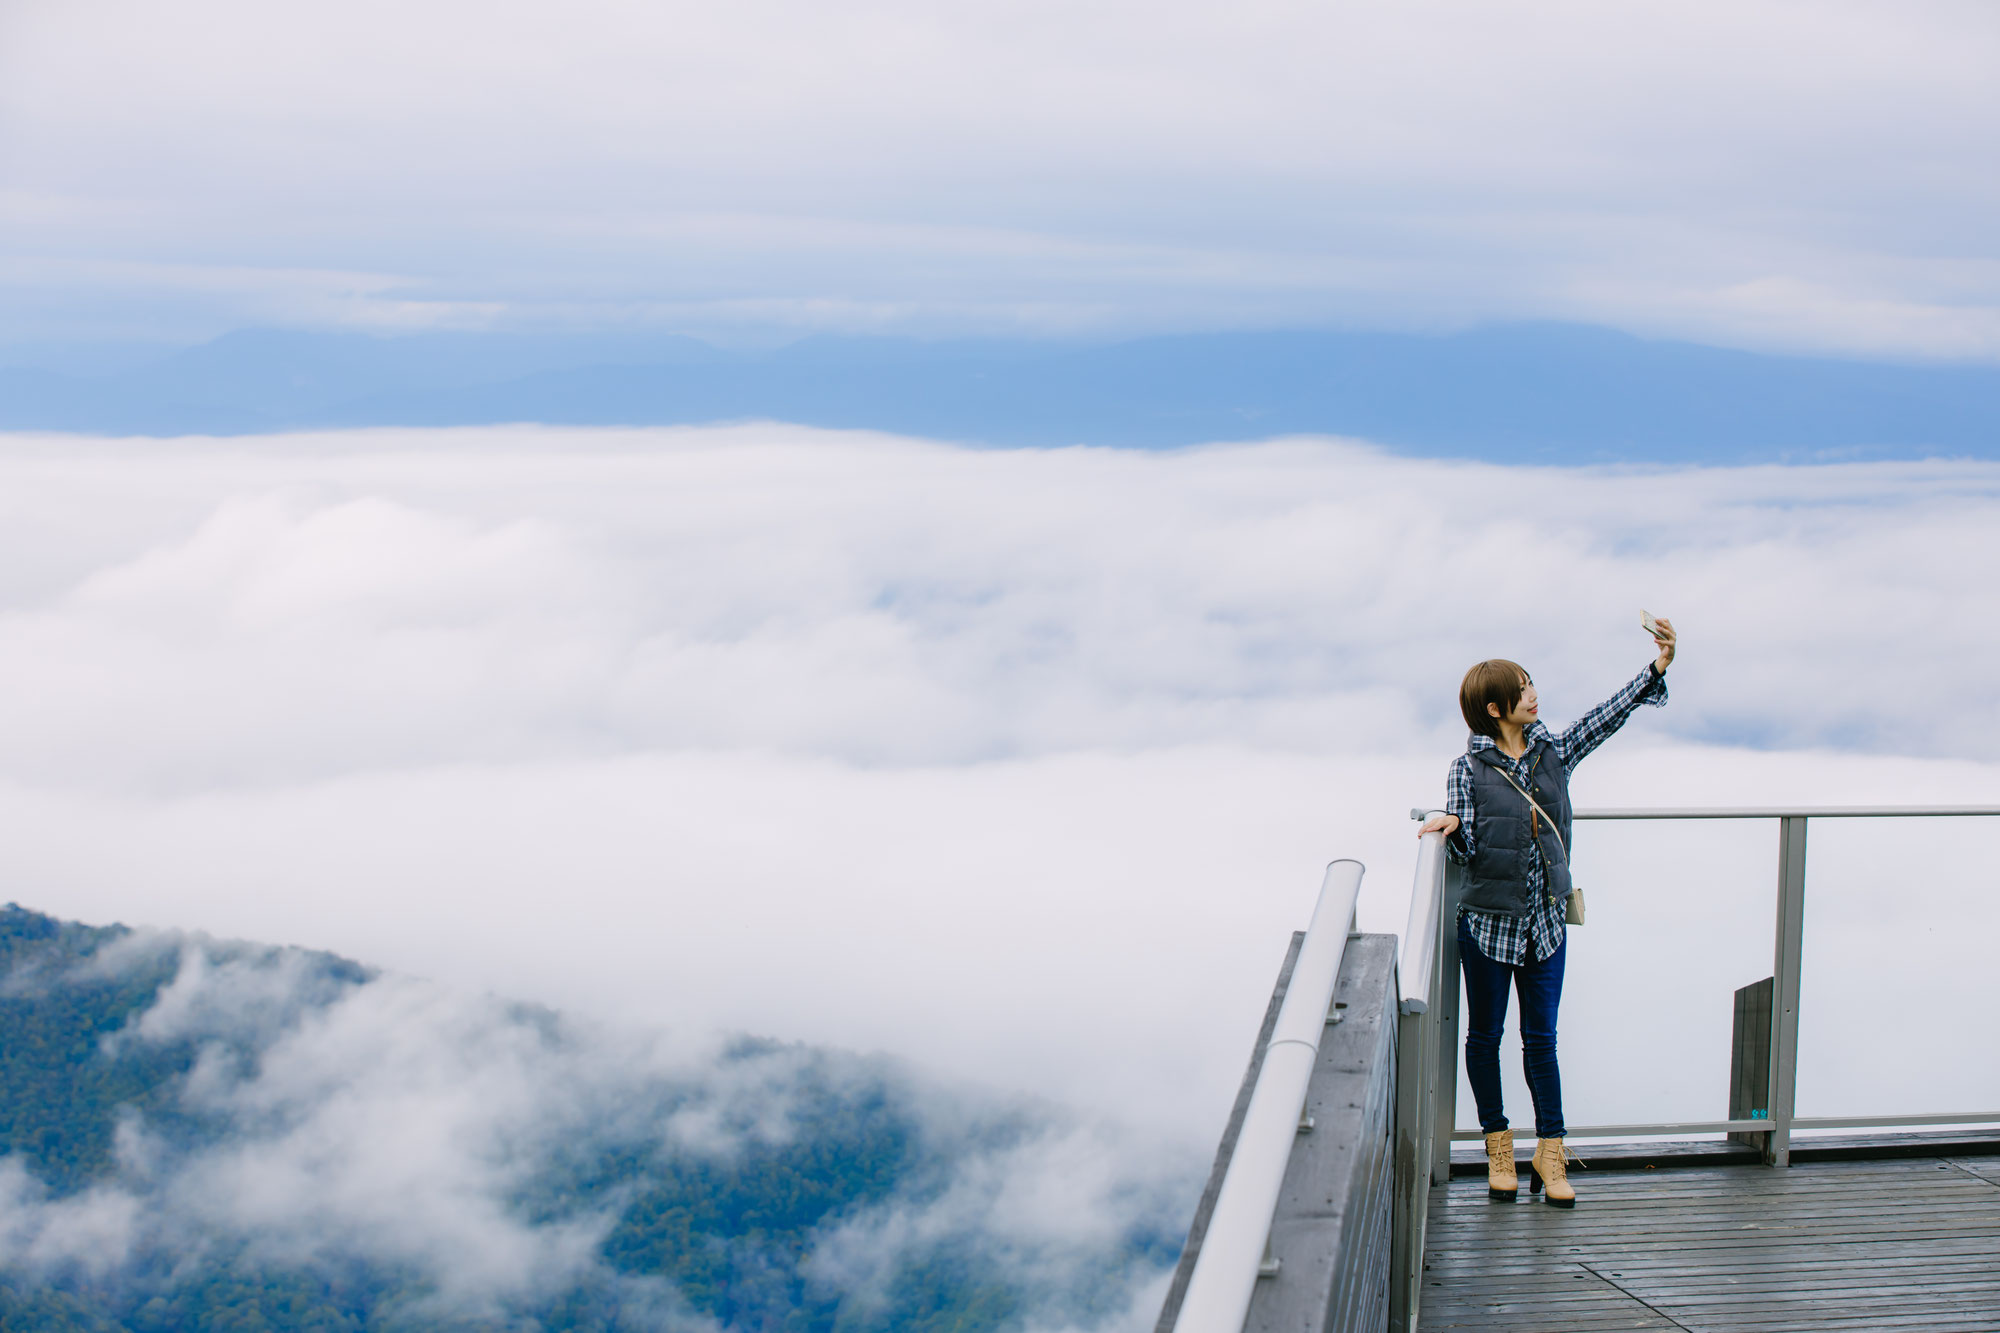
pixel 1750 1059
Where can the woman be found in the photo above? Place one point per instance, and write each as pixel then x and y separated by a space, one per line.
pixel 1507 822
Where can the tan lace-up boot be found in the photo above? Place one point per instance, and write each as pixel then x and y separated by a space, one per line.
pixel 1550 1167
pixel 1501 1181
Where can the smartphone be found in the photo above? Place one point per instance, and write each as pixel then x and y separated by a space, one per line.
pixel 1650 625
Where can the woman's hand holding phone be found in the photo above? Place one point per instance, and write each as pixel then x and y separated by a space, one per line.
pixel 1663 634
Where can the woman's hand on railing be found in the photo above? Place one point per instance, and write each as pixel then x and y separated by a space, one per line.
pixel 1439 823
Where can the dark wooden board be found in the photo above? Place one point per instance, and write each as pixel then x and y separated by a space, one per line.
pixel 1672 1154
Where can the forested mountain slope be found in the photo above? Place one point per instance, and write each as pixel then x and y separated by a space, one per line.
pixel 215 1136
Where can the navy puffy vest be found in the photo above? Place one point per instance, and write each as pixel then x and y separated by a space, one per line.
pixel 1496 879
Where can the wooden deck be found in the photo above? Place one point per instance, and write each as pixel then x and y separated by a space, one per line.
pixel 1891 1245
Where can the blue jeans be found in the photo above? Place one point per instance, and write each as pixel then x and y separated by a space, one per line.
pixel 1540 987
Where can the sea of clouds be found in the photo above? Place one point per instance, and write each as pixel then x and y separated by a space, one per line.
pixel 423 1131
pixel 1021 765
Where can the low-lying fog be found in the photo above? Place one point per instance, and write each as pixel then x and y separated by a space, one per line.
pixel 1020 765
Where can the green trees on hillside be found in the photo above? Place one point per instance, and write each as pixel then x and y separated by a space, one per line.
pixel 689 1234
pixel 65 1079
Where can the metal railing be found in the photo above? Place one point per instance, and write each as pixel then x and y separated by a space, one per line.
pixel 1233 1252
pixel 1426 1070
pixel 1427 1037
pixel 1400 1095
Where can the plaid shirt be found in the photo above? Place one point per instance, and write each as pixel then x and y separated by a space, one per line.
pixel 1504 938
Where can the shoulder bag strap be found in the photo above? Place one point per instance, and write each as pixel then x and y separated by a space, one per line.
pixel 1554 827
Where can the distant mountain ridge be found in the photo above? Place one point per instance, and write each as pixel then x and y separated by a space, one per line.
pixel 1538 393
pixel 197 1135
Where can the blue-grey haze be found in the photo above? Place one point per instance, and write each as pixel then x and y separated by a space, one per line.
pixel 1533 393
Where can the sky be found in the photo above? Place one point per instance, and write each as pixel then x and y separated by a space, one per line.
pixel 1758 173
pixel 1021 765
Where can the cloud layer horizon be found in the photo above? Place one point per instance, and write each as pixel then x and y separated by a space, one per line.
pixel 1019 764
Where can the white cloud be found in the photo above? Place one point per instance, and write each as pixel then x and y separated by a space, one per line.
pixel 1804 176
pixel 90 1232
pixel 392 1118
pixel 333 605
pixel 1021 764
pixel 1046 1207
pixel 243 997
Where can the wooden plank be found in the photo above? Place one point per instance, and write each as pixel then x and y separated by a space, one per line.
pixel 1700 1231
pixel 1970 1276
pixel 1616 1156
pixel 1925 1224
pixel 1974 1266
pixel 1697 1231
pixel 1967 1291
pixel 1675 1154
pixel 1784 1310
pixel 1979 1169
pixel 1857 1250
pixel 1957 1184
pixel 1810 1318
pixel 1698 1235
pixel 1965 1193
pixel 1806 1176
pixel 1539 1323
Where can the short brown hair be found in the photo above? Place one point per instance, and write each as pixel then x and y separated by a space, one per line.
pixel 1494 681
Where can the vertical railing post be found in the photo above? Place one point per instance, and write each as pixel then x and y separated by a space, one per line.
pixel 1785 988
pixel 1445 1006
pixel 1406 1245
pixel 1419 1137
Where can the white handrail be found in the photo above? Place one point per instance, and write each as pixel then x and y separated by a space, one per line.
pixel 1423 941
pixel 1413 970
pixel 1792 812
pixel 1232 1252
